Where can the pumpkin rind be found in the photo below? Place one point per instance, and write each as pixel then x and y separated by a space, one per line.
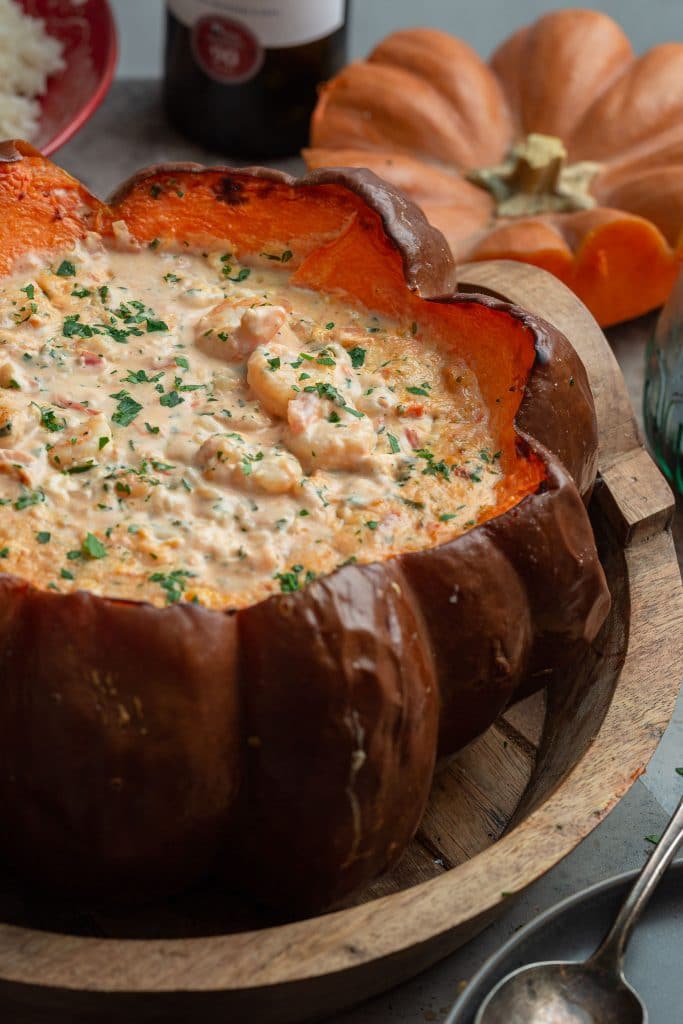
pixel 142 748
pixel 572 74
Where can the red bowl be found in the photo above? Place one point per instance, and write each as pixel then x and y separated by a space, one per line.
pixel 90 49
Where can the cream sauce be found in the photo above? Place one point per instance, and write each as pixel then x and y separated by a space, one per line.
pixel 179 425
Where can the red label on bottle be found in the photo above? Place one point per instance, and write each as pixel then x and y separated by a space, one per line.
pixel 226 50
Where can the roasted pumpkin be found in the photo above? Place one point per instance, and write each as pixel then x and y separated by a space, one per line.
pixel 565 151
pixel 142 747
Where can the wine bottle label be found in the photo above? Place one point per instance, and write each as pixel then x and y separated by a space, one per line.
pixel 272 23
pixel 225 50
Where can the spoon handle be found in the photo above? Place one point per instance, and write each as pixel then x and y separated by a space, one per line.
pixel 609 955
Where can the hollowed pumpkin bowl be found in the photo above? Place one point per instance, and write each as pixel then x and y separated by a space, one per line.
pixel 382 645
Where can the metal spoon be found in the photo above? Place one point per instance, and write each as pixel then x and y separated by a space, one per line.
pixel 594 991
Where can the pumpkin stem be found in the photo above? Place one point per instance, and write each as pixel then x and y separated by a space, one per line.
pixel 534 179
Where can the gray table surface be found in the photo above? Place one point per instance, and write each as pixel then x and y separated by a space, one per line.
pixel 128 132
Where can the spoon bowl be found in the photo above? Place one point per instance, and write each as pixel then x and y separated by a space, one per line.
pixel 593 991
pixel 561 993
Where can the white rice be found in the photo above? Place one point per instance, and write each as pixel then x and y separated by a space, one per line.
pixel 28 55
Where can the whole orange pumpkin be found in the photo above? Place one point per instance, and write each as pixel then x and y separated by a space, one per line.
pixel 565 151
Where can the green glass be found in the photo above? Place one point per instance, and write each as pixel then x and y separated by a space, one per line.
pixel 663 395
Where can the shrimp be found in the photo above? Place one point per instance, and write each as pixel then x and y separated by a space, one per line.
pixel 325 436
pixel 82 445
pixel 16 464
pixel 233 329
pixel 228 460
pixel 273 378
pixel 277 374
pixel 11 377
pixel 14 422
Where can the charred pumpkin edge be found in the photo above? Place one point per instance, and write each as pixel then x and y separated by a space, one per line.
pixel 428 264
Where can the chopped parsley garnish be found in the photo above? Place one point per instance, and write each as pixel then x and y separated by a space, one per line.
pixel 29 498
pixel 6 430
pixel 247 461
pixel 49 420
pixel 84 467
pixel 170 399
pixel 4 552
pixel 156 325
pixel 65 269
pixel 150 429
pixel 171 278
pixel 155 191
pixel 274 363
pixel 372 524
pixel 80 293
pixel 92 547
pixel 103 442
pixel 140 377
pixel 43 537
pixel 182 362
pixel 241 275
pixel 284 257
pixel 126 410
pixel 328 327
pixel 66 574
pixel 172 583
pixel 424 390
pixel 29 291
pixel 326 390
pixel 357 355
pixel 73 328
pixel 394 446
pixel 433 468
pixel 291 581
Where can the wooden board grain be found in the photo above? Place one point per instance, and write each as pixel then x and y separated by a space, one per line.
pixel 502 813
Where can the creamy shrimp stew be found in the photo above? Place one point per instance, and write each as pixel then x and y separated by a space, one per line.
pixel 180 425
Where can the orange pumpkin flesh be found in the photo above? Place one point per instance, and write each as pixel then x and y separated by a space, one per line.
pixel 319 743
pixel 571 75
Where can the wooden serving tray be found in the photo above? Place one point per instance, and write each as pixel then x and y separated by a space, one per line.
pixel 501 814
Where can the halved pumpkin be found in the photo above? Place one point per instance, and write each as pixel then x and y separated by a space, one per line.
pixel 142 747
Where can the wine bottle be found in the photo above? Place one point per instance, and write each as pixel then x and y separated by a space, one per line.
pixel 241 77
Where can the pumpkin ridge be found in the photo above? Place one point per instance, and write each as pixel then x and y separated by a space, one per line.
pixel 585 49
pixel 626 113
